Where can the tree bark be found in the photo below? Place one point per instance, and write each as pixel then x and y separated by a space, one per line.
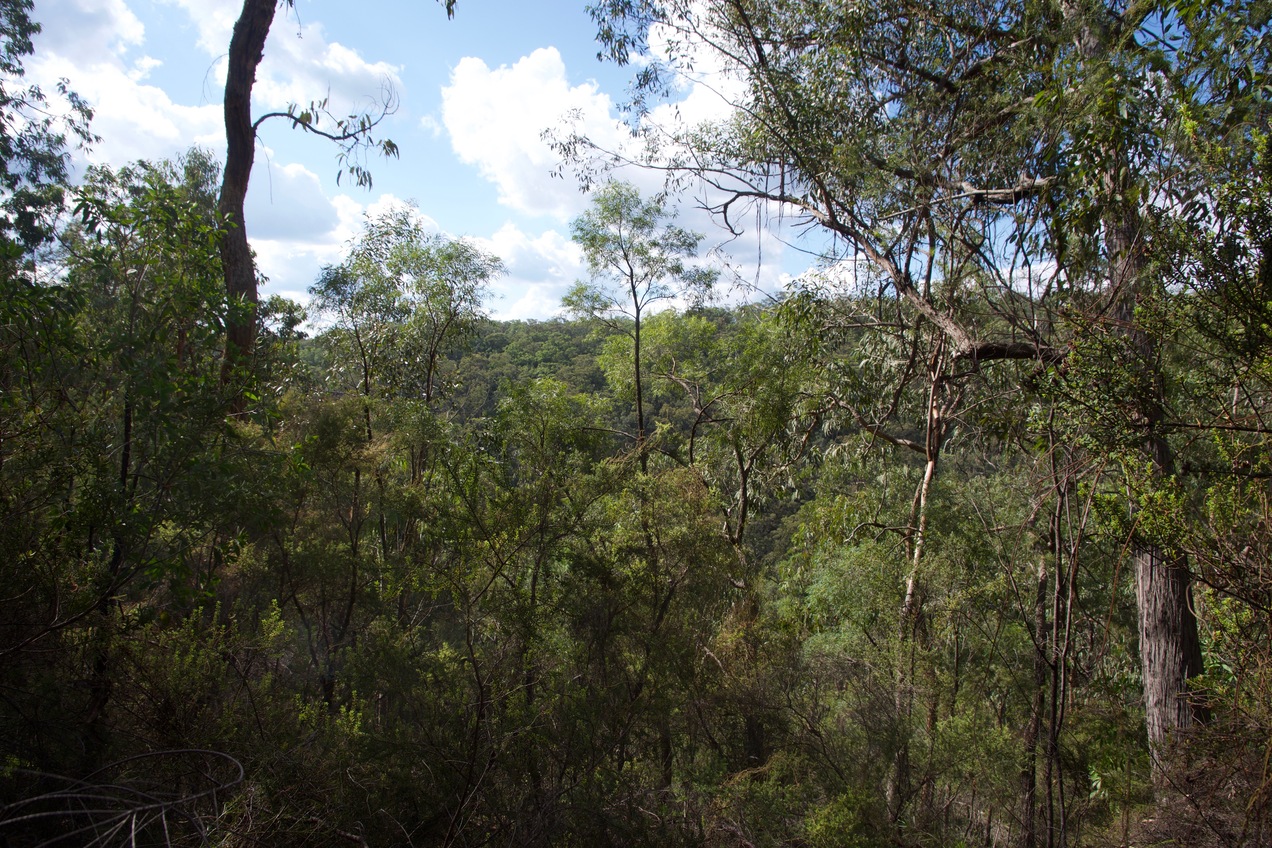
pixel 1170 652
pixel 1170 649
pixel 1041 670
pixel 247 47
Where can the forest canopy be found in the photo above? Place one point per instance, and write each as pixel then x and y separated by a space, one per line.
pixel 961 538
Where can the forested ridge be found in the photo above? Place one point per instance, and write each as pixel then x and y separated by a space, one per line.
pixel 963 538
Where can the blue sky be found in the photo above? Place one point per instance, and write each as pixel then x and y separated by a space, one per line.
pixel 475 94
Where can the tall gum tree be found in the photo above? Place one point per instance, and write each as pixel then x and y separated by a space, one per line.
pixel 352 134
pixel 842 125
pixel 1001 151
pixel 636 258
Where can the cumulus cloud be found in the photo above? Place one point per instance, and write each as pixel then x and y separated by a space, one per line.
pixel 301 66
pixel 431 125
pixel 214 20
pixel 142 67
pixel 540 270
pixel 387 203
pixel 92 31
pixel 292 254
pixel 286 202
pixel 294 227
pixel 496 119
pixel 92 44
pixel 292 260
pixel 134 120
pixel 526 301
pixel 548 255
pixel 708 88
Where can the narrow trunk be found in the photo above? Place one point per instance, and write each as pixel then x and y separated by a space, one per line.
pixel 898 787
pixel 640 398
pixel 1061 608
pixel 1041 667
pixel 247 47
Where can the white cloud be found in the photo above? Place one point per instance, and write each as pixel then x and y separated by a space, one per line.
pixel 496 119
pixel 142 67
pixel 293 226
pixel 431 125
pixel 710 89
pixel 91 31
pixel 533 302
pixel 540 270
pixel 291 254
pixel 286 202
pixel 88 43
pixel 215 21
pixel 301 66
pixel 134 120
pixel 548 255
pixel 388 203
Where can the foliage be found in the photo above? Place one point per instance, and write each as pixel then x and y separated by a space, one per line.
pixel 33 157
pixel 400 303
pixel 636 259
pixel 874 573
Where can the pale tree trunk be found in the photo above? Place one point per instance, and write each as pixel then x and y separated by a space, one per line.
pixel 909 624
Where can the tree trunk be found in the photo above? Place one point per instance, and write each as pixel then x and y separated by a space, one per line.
pixel 247 47
pixel 909 623
pixel 1170 650
pixel 641 449
pixel 1041 670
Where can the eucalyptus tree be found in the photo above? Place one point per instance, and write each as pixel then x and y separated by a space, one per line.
pixel 998 165
pixel 843 120
pixel 353 134
pixel 401 301
pixel 399 304
pixel 637 259
pixel 743 389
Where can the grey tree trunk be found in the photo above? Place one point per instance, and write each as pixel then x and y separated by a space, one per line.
pixel 1170 650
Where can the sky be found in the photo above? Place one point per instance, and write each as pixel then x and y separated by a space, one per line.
pixel 474 96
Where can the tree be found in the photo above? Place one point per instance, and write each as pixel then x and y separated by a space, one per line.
pixel 111 475
pixel 997 164
pixel 636 260
pixel 739 391
pixel 401 301
pixel 353 133
pixel 33 157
